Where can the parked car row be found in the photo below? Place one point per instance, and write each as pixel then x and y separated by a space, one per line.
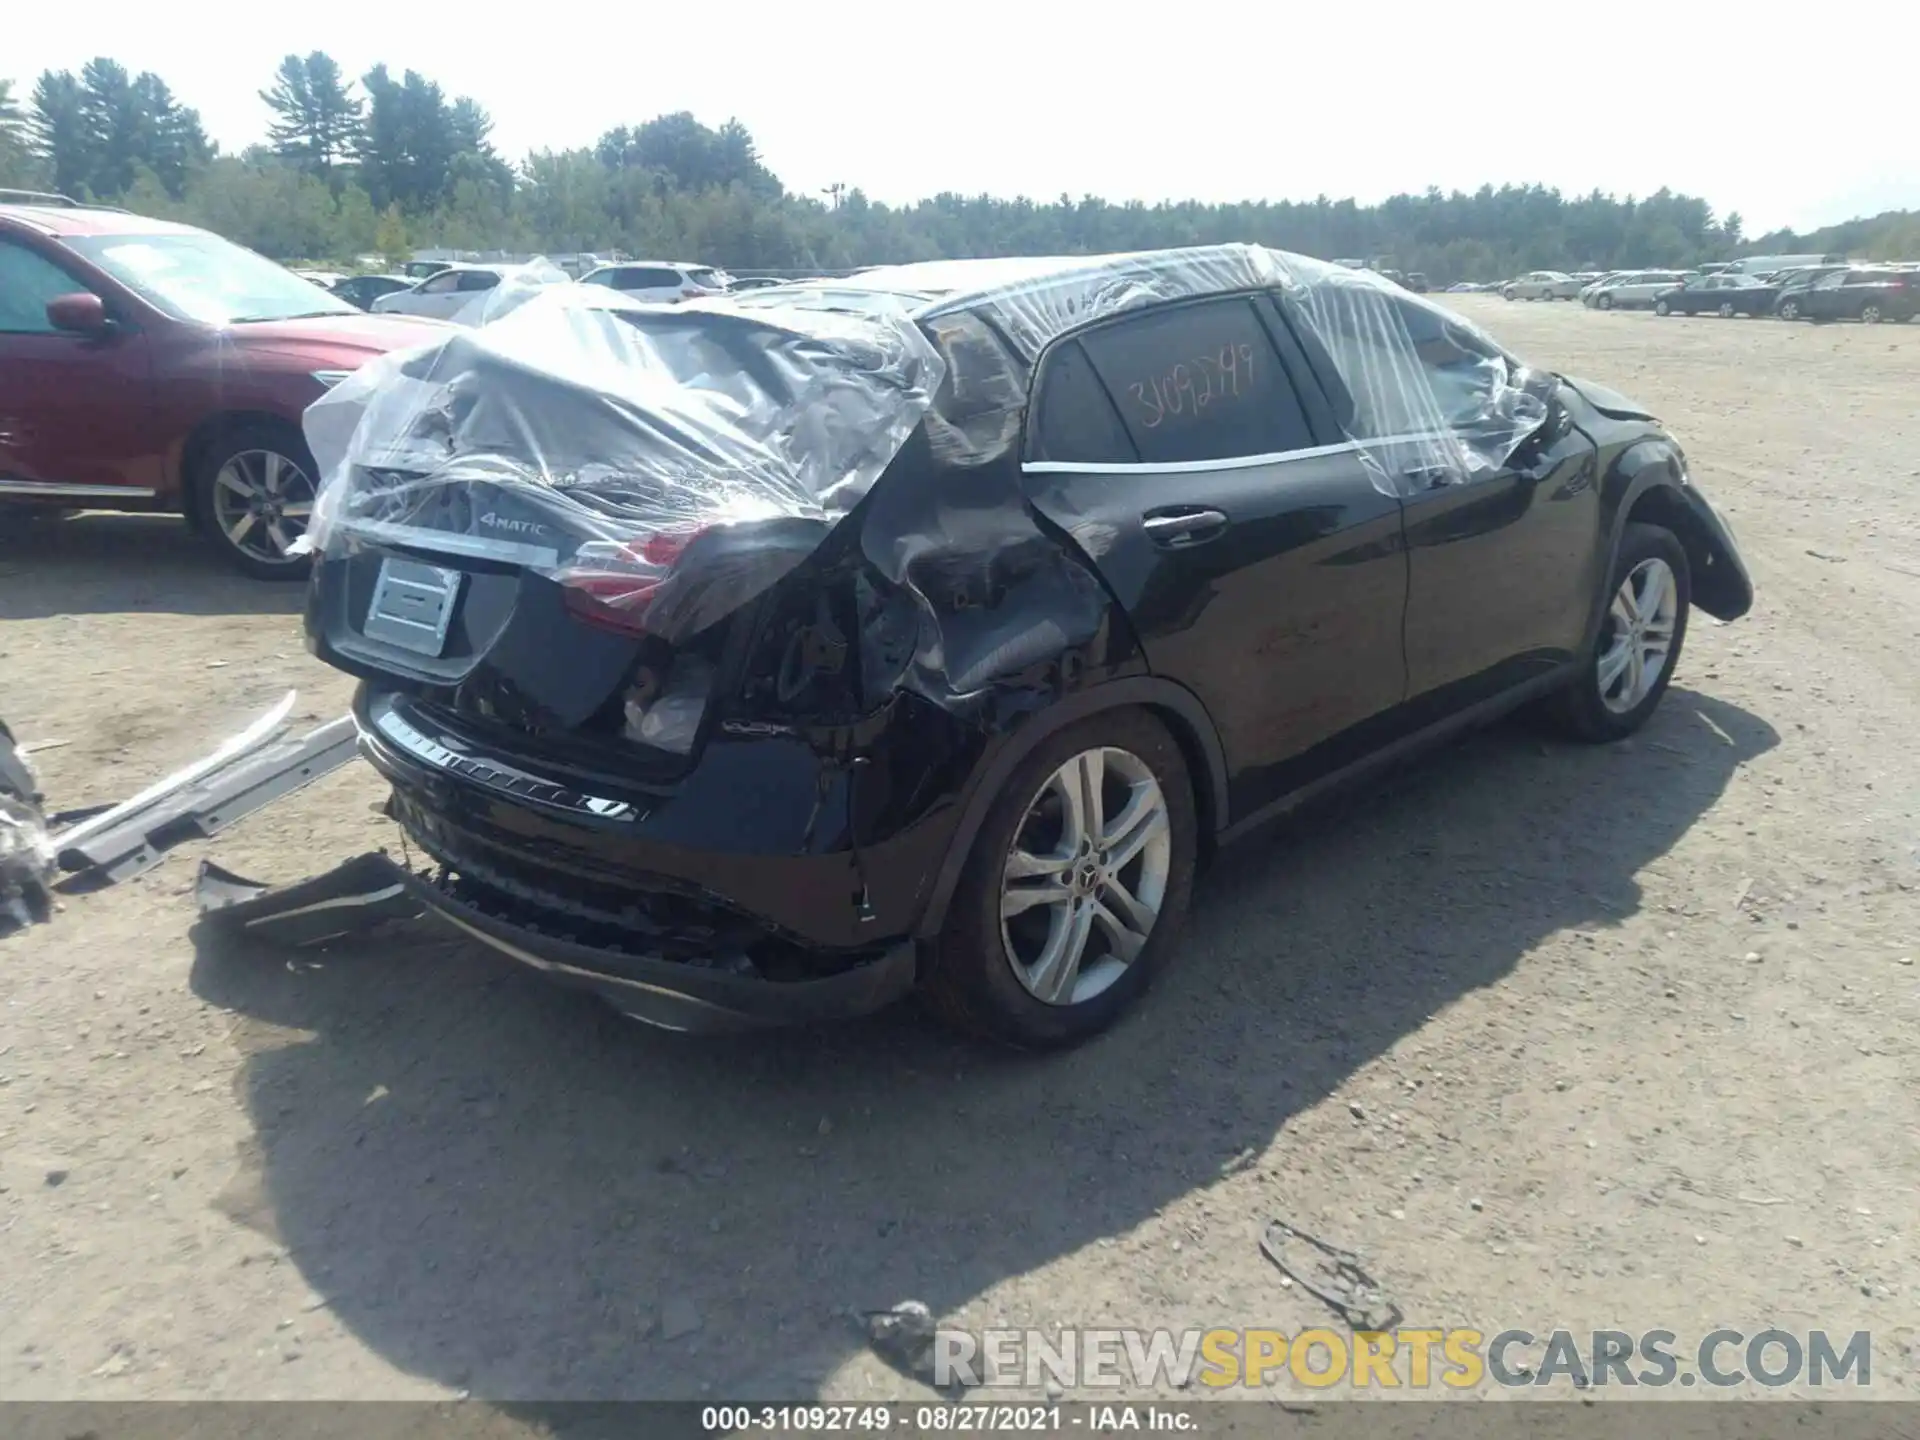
pixel 1546 285
pixel 1820 291
pixel 448 288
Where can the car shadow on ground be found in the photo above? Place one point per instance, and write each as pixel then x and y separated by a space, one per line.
pixel 106 564
pixel 501 1185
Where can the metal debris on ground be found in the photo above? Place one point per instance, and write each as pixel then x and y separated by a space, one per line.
pixel 26 853
pixel 903 1335
pixel 1331 1275
pixel 246 773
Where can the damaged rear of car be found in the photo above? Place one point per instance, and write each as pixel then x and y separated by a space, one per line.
pixel 761 658
pixel 625 666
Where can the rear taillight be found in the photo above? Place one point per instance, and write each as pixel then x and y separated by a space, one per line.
pixel 610 586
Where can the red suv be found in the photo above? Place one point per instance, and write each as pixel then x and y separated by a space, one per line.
pixel 152 366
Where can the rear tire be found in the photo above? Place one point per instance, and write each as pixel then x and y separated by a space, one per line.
pixel 253 488
pixel 976 978
pixel 1726 309
pixel 1788 310
pixel 1871 314
pixel 1603 302
pixel 1596 706
pixel 1660 307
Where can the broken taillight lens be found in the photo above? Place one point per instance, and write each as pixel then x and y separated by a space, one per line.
pixel 610 584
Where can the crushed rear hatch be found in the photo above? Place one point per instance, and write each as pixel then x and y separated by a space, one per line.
pixel 554 524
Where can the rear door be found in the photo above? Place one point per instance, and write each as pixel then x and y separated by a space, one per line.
pixel 1189 451
pixel 1823 299
pixel 76 411
pixel 439 298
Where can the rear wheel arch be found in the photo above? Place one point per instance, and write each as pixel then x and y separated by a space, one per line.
pixel 1174 706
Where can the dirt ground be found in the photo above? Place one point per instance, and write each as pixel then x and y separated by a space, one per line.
pixel 1555 1036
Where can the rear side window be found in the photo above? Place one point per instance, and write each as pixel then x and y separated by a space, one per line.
pixel 647 279
pixel 1198 382
pixel 478 280
pixel 1074 418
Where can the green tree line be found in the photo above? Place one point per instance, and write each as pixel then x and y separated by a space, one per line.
pixel 382 165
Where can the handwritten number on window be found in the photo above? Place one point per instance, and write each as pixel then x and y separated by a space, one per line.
pixel 1193 385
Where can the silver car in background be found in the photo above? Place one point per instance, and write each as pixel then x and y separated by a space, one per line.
pixel 1635 290
pixel 1543 285
pixel 1588 290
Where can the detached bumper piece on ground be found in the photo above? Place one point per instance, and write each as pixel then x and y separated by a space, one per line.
pixel 685 977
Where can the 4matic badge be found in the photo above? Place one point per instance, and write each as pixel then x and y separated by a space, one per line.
pixel 495 521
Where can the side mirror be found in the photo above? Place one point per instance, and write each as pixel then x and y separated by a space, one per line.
pixel 82 313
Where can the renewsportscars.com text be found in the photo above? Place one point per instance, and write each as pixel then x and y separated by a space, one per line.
pixel 1414 1359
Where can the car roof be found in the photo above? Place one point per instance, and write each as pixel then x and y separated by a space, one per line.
pixel 1033 299
pixel 65 220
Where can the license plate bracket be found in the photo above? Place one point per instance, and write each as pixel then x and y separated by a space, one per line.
pixel 413 605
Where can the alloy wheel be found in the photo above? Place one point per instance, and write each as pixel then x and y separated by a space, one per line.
pixel 1638 635
pixel 262 501
pixel 1789 310
pixel 1870 314
pixel 1085 876
pixel 1726 309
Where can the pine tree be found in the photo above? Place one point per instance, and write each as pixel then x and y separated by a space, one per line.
pixel 18 167
pixel 59 131
pixel 317 119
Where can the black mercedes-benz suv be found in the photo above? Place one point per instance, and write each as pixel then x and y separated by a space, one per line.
pixel 765 658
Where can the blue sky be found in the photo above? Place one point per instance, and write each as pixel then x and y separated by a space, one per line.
pixel 1146 101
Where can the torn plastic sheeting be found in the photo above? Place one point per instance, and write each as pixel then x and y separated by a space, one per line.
pixel 1428 388
pixel 593 439
pixel 517 285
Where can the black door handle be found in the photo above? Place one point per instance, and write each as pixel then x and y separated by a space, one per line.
pixel 1175 529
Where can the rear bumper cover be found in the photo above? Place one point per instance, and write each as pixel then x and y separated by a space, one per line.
pixel 731 900
pixel 673 994
pixel 677 994
pixel 762 827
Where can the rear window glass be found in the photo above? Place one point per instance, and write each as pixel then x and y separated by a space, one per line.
pixel 1198 382
pixel 1074 419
